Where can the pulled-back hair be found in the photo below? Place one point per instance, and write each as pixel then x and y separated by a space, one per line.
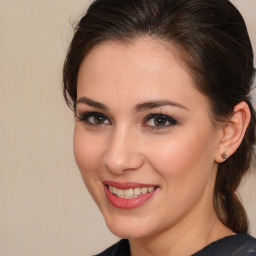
pixel 212 40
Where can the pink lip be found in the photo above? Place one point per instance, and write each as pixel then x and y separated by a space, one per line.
pixel 130 203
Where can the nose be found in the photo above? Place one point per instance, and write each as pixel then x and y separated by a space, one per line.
pixel 123 151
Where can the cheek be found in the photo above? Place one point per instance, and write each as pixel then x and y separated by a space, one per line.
pixel 185 167
pixel 183 158
pixel 87 152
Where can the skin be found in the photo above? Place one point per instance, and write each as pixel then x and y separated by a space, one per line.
pixel 181 158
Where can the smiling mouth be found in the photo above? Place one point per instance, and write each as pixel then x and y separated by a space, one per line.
pixel 130 192
pixel 128 195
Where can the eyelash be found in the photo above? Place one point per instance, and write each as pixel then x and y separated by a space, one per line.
pixel 83 117
pixel 164 117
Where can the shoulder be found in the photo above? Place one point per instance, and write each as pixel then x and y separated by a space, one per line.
pixel 236 245
pixel 120 248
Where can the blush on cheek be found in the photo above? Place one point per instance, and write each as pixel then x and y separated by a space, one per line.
pixel 79 150
pixel 180 155
pixel 88 155
pixel 83 152
pixel 168 157
pixel 87 159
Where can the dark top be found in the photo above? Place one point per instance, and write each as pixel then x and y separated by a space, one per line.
pixel 236 245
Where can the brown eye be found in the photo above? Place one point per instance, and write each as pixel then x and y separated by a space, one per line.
pixel 93 118
pixel 159 121
pixel 97 119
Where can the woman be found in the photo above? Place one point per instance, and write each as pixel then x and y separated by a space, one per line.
pixel 164 123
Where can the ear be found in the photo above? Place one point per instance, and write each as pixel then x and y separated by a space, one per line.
pixel 232 133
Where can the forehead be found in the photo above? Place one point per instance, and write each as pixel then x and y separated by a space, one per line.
pixel 143 69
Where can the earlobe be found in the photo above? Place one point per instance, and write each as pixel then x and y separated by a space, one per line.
pixel 232 133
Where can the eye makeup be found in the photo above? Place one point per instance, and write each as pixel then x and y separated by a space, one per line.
pixel 155 121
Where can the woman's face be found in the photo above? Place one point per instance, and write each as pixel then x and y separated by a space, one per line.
pixel 143 139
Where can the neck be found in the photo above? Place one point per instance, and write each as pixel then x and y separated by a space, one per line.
pixel 194 232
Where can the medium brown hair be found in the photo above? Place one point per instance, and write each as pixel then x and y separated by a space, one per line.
pixel 213 42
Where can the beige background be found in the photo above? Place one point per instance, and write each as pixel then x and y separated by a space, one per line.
pixel 45 208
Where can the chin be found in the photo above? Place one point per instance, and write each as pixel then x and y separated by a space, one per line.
pixel 129 228
pixel 124 232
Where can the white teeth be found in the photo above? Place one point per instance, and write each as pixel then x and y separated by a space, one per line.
pixel 120 192
pixel 131 192
pixel 128 192
pixel 144 190
pixel 150 189
pixel 137 191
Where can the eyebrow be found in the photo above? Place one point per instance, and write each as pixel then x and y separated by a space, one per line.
pixel 155 104
pixel 92 103
pixel 138 108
